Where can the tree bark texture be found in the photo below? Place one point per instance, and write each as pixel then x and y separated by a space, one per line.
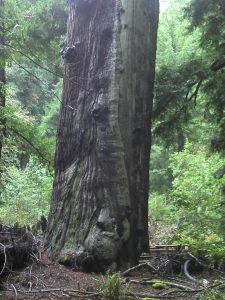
pixel 99 210
pixel 2 85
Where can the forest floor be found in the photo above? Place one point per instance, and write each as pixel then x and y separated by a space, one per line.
pixel 42 279
pixel 48 280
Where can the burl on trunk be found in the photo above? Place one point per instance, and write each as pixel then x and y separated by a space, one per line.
pixel 99 211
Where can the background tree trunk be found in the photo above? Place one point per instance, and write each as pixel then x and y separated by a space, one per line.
pixel 99 211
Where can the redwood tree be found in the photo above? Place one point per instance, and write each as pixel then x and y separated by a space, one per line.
pixel 99 210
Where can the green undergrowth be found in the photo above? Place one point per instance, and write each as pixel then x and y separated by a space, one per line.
pixel 195 205
pixel 26 194
pixel 113 289
pixel 211 294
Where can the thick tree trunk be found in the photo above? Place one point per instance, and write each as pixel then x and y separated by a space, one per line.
pixel 99 211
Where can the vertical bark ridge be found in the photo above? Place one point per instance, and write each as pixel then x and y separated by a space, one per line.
pixel 2 86
pixel 99 199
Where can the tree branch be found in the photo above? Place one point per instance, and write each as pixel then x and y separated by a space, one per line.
pixel 31 59
pixel 44 83
pixel 195 93
pixel 217 65
pixel 31 144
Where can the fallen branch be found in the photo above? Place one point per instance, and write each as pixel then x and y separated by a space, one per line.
pixel 89 294
pixel 219 285
pixel 146 264
pixel 168 283
pixel 146 295
pixel 187 273
pixel 3 268
pixel 15 291
pixel 168 294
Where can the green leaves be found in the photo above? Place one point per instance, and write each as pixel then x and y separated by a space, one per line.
pixel 197 194
pixel 190 106
pixel 112 289
pixel 32 34
pixel 26 194
pixel 179 75
pixel 24 135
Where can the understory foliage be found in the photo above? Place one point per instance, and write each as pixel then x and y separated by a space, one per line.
pixel 195 203
pixel 187 160
pixel 33 66
pixel 26 194
pixel 212 294
pixel 112 288
pixel 198 201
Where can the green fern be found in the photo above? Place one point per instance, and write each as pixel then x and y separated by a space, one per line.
pixel 112 289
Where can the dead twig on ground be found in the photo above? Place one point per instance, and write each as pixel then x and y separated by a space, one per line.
pixel 179 293
pixel 146 295
pixel 15 291
pixel 79 293
pixel 4 250
pixel 146 264
pixel 219 285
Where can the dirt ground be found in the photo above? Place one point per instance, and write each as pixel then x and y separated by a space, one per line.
pixel 44 279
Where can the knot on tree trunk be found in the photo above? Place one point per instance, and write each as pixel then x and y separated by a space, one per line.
pixel 100 113
pixel 69 54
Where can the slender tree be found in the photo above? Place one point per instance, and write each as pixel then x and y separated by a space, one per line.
pixel 99 210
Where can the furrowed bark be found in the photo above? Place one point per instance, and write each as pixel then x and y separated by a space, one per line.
pixel 2 86
pixel 99 214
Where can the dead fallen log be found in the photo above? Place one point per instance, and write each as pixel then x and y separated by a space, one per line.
pixel 16 247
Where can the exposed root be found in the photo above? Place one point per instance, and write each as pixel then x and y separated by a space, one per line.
pixel 16 247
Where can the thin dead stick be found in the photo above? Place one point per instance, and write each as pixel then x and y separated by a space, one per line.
pixel 145 295
pixel 30 282
pixel 36 258
pixel 3 268
pixel 90 294
pixel 194 290
pixel 140 266
pixel 178 279
pixel 15 291
pixel 168 294
pixel 79 296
